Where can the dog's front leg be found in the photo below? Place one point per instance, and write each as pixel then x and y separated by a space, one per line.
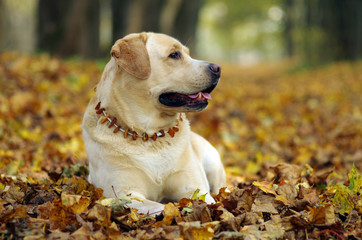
pixel 213 168
pixel 144 205
pixel 211 162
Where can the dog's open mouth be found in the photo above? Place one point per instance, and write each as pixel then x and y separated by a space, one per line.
pixel 195 100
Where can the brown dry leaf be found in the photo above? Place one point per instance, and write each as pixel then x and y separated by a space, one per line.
pixel 61 216
pixel 288 191
pixel 322 215
pixel 353 220
pixel 14 194
pixel 309 194
pixel 273 230
pixel 81 233
pixel 240 200
pixel 283 223
pixel 264 203
pixel 101 235
pixel 288 172
pixel 2 208
pixel 113 231
pixel 200 213
pixel 100 215
pixel 232 223
pixel 13 212
pixel 223 193
pixel 36 196
pixel 55 235
pixel 250 232
pixel 321 176
pixel 226 215
pixel 252 218
pixel 45 210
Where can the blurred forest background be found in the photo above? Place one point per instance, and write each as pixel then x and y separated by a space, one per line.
pixel 241 31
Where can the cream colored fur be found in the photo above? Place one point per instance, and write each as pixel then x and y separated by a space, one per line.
pixel 154 171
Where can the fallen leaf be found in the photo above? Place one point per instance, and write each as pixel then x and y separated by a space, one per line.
pixel 264 203
pixel 287 172
pixel 14 194
pixel 75 203
pixel 171 212
pixel 322 215
pixel 100 215
pixel 195 230
pixel 13 213
pixel 288 191
pixel 200 213
pixel 308 194
pixel 266 187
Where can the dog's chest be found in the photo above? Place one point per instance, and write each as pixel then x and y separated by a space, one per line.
pixel 158 166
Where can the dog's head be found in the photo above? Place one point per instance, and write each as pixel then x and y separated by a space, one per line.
pixel 159 70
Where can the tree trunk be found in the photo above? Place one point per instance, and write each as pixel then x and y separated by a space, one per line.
pixel 186 22
pixel 119 18
pixel 90 38
pixel 81 34
pixel 288 27
pixel 51 18
pixel 333 31
pixel 2 23
pixel 168 16
pixel 136 16
pixel 69 27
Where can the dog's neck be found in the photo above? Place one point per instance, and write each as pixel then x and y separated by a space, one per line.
pixel 120 127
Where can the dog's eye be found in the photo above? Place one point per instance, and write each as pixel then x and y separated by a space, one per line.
pixel 175 55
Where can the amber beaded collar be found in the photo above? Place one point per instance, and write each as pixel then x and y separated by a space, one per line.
pixel 133 134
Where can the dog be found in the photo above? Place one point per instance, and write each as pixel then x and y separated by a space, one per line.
pixel 136 135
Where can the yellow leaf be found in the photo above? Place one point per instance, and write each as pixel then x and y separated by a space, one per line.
pixel 171 212
pixel 283 199
pixel 265 186
pixel 76 203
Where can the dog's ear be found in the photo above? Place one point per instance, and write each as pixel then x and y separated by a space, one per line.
pixel 131 54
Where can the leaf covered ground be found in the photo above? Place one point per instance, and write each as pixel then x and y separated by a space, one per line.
pixel 290 142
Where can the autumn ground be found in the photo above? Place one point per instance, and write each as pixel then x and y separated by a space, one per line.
pixel 289 140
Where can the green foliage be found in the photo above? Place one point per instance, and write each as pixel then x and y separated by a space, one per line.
pixel 346 198
pixel 355 180
pixel 251 32
pixel 197 196
pixel 119 204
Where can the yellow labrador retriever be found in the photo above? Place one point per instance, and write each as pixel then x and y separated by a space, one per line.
pixel 135 131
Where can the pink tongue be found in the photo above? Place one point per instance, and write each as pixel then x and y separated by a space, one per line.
pixel 203 95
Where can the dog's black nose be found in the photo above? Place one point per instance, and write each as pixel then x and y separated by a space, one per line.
pixel 215 69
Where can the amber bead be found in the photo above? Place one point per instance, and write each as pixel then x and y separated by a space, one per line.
pixel 100 111
pixel 104 119
pixel 114 121
pixel 145 137
pixel 171 132
pixel 98 106
pixel 116 129
pixel 126 133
